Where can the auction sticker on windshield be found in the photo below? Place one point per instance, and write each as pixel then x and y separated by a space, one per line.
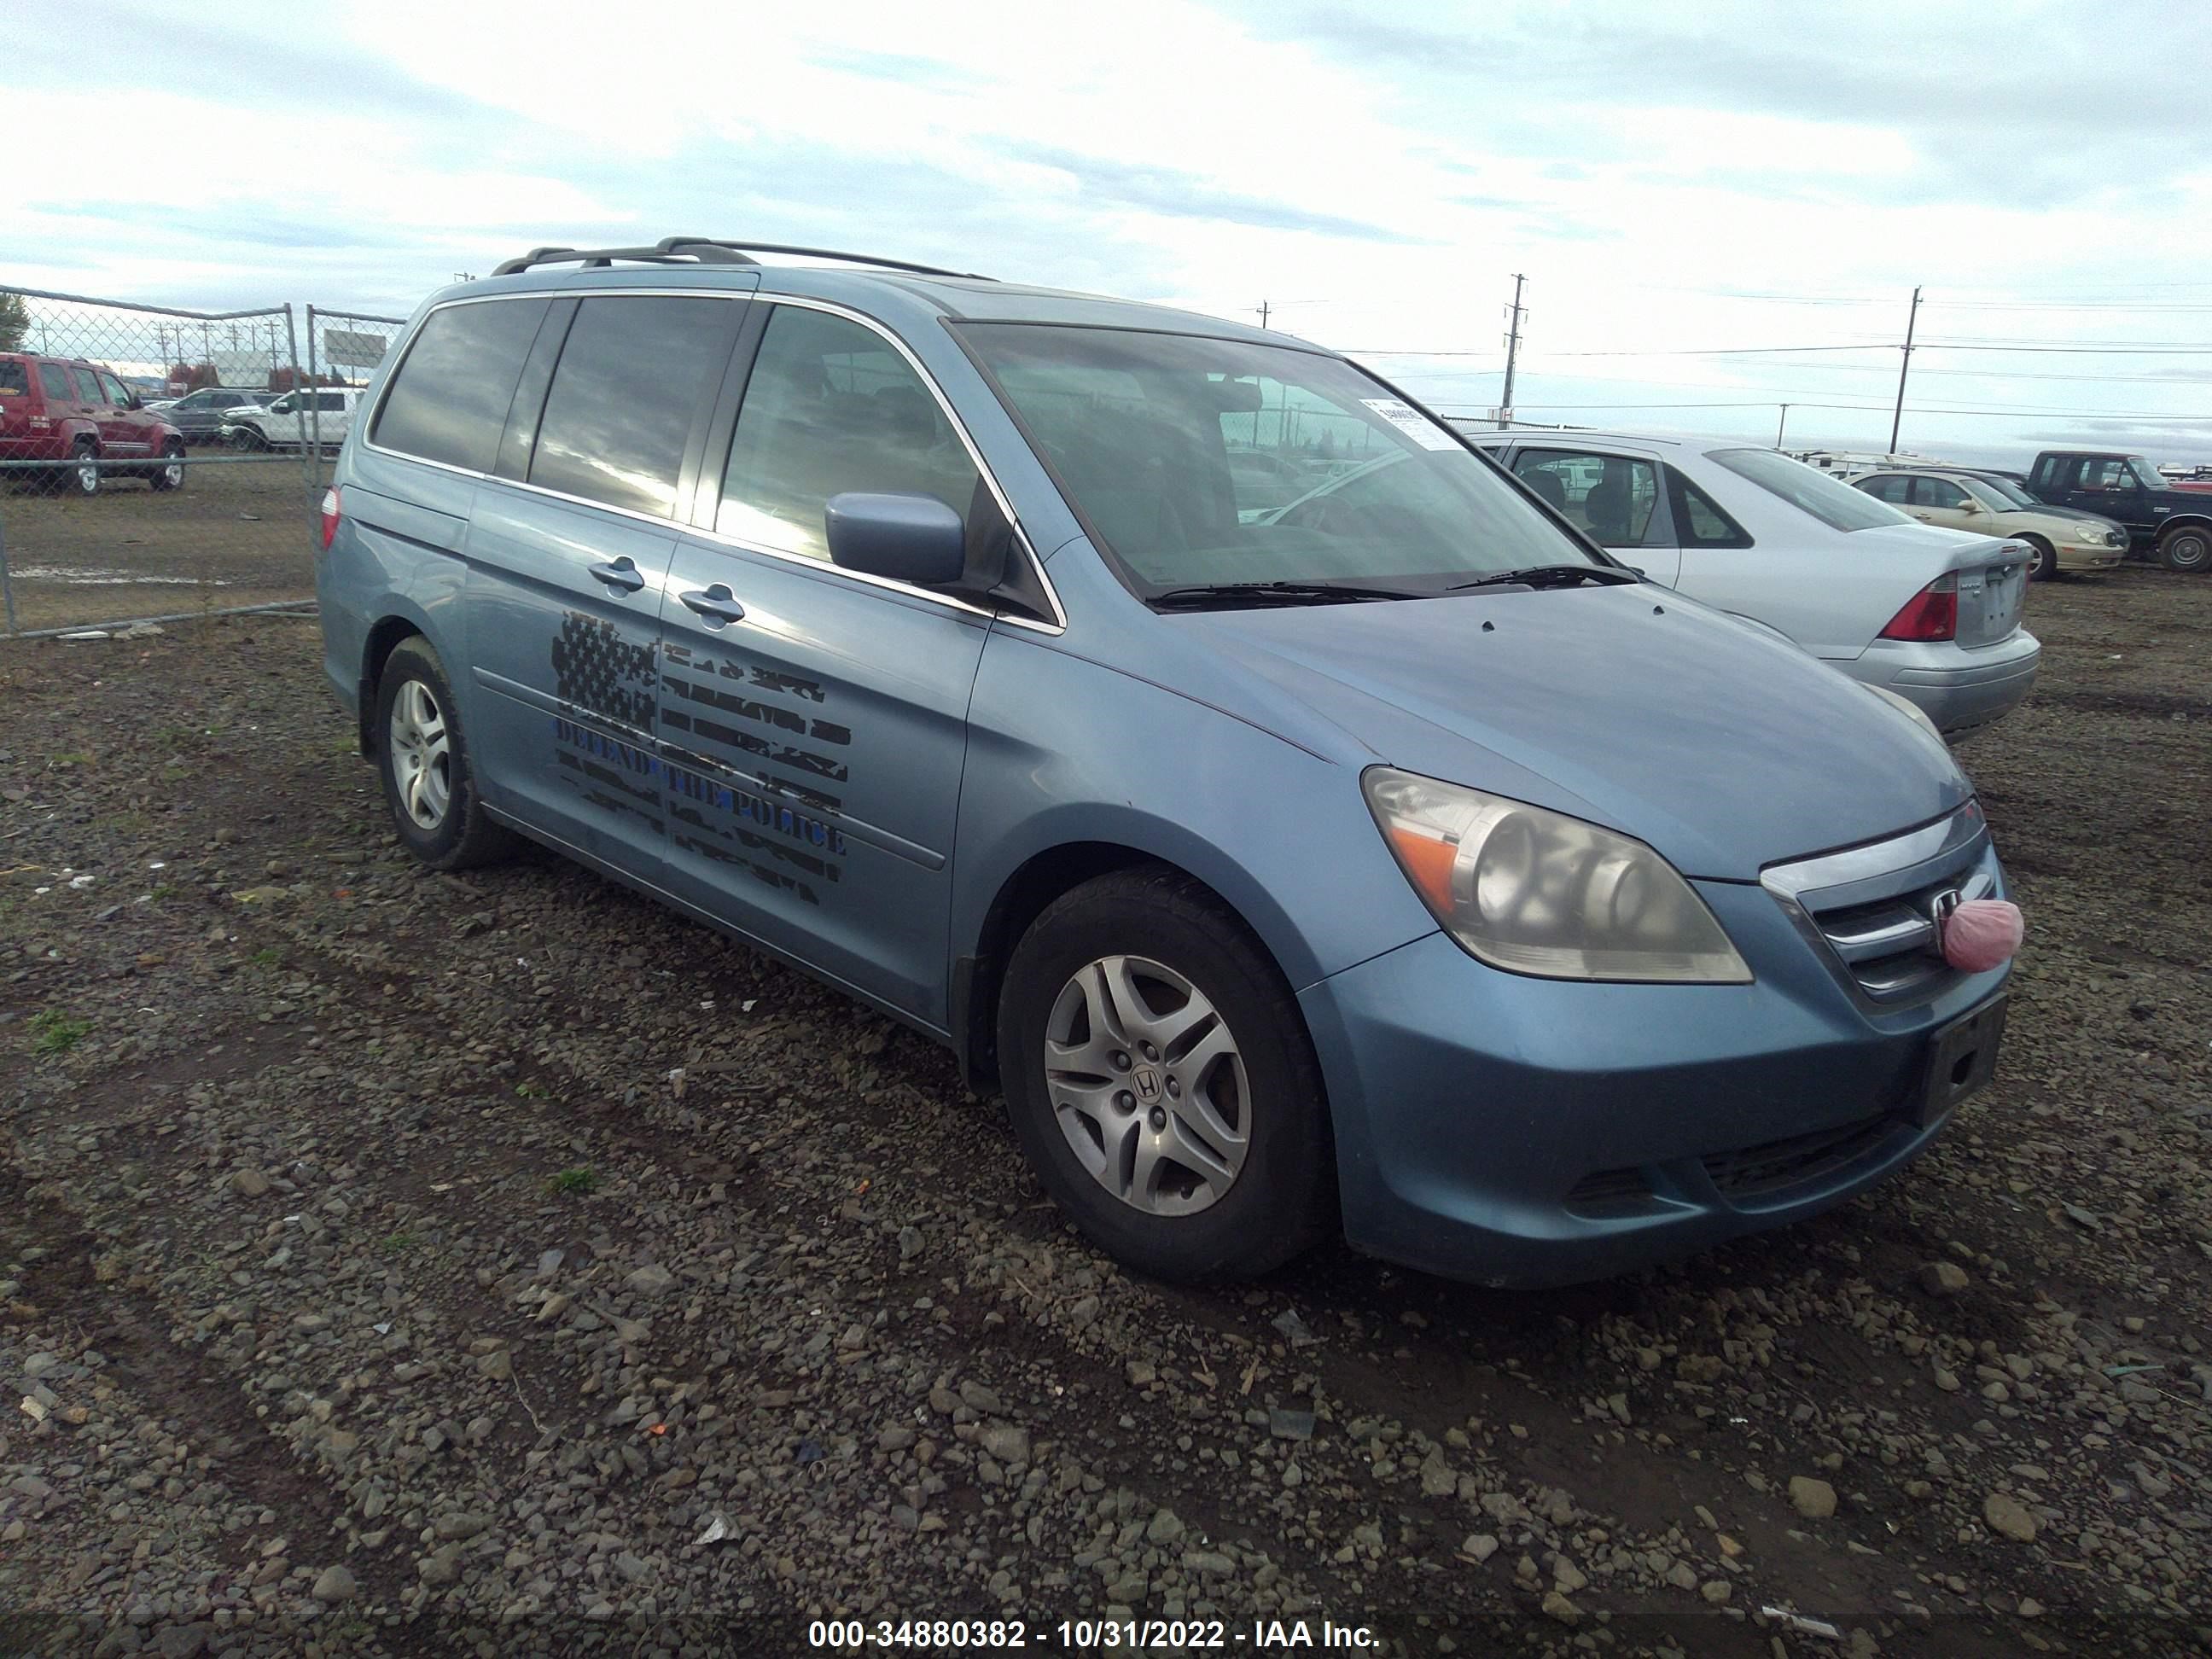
pixel 1411 421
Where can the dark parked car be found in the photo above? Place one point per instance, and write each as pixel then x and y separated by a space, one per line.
pixel 199 415
pixel 2176 523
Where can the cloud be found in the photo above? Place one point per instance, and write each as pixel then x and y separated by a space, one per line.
pixel 1185 196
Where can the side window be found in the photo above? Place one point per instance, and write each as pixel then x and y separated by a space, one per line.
pixel 1700 520
pixel 331 402
pixel 623 396
pixel 1611 497
pixel 15 380
pixel 448 400
pixel 87 385
pixel 58 383
pixel 1893 488
pixel 831 407
pixel 1938 493
pixel 2045 475
pixel 116 392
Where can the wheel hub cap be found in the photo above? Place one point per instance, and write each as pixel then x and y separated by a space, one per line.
pixel 1147 1086
pixel 421 755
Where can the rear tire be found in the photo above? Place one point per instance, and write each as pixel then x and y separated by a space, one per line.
pixel 2046 559
pixel 1213 1162
pixel 2187 549
pixel 169 473
pixel 423 760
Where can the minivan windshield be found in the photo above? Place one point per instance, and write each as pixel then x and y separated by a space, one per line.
pixel 1198 463
pixel 1808 490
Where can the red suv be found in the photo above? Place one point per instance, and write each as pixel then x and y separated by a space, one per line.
pixel 81 417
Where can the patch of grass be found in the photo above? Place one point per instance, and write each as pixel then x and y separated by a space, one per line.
pixel 399 1243
pixel 570 1182
pixel 166 892
pixel 71 758
pixel 267 956
pixel 53 1032
pixel 529 1090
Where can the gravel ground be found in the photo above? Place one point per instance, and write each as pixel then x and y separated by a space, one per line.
pixel 419 1264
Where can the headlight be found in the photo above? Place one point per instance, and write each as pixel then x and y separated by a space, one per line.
pixel 1533 891
pixel 2099 535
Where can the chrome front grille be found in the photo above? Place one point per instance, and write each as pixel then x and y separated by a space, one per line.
pixel 1874 908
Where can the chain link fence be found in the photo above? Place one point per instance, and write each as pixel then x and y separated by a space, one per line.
pixel 157 464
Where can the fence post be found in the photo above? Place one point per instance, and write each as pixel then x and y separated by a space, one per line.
pixel 315 406
pixel 306 455
pixel 7 592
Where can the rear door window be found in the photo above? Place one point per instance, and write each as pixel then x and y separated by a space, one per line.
pixel 1609 497
pixel 623 397
pixel 448 401
pixel 1895 489
pixel 831 407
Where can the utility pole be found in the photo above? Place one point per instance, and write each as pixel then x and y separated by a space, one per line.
pixel 1904 364
pixel 1780 425
pixel 1514 314
pixel 1263 313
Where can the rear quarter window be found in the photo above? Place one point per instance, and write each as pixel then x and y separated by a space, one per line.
pixel 448 400
pixel 14 381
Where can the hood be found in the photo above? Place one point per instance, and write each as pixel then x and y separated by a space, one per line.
pixel 1723 747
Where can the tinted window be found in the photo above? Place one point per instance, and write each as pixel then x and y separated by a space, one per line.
pixel 448 402
pixel 56 381
pixel 830 407
pixel 1610 497
pixel 114 387
pixel 623 394
pixel 1700 520
pixel 330 400
pixel 87 385
pixel 15 380
pixel 1894 488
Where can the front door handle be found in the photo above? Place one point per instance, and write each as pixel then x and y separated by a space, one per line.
pixel 717 604
pixel 621 573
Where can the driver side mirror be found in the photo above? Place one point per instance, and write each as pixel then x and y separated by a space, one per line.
pixel 1970 505
pixel 906 538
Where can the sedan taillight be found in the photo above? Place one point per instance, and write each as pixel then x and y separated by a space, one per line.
pixel 1930 615
pixel 330 517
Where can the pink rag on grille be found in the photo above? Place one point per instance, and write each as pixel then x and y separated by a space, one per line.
pixel 1982 935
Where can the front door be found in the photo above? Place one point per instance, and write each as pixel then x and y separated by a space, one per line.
pixel 134 432
pixel 815 723
pixel 569 545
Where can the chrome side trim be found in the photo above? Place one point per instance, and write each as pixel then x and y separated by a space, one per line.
pixel 1057 626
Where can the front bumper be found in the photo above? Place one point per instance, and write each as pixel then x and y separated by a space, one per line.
pixel 2080 556
pixel 1526 1132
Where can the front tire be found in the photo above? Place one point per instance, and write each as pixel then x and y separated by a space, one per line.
pixel 247 437
pixel 84 468
pixel 2188 548
pixel 2046 559
pixel 1161 1080
pixel 423 761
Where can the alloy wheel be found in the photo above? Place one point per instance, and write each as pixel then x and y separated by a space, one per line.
pixel 421 760
pixel 1147 1084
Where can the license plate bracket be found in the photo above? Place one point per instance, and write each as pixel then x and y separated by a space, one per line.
pixel 1961 1058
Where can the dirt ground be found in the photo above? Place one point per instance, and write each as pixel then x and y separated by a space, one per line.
pixel 239 532
pixel 392 1262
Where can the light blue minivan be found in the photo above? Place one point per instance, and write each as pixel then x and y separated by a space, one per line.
pixel 1289 858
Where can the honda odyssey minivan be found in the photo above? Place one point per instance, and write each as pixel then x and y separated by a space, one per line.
pixel 1399 862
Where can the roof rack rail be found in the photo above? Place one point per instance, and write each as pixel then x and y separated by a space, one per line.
pixel 707 251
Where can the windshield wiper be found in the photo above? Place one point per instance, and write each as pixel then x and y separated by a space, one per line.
pixel 1547 575
pixel 1229 595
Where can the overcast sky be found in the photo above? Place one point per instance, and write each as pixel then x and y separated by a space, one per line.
pixel 1672 179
